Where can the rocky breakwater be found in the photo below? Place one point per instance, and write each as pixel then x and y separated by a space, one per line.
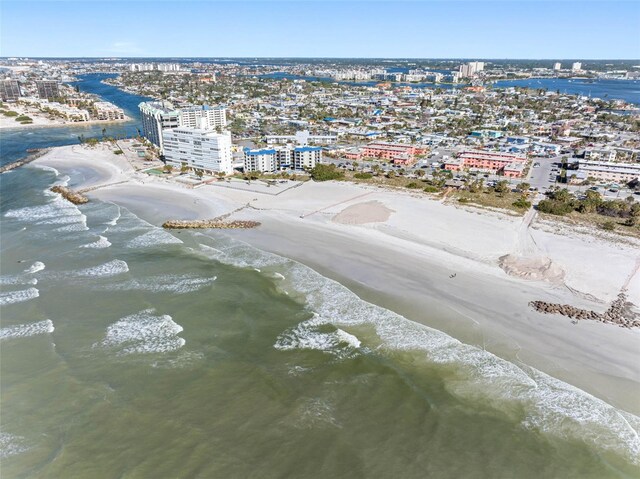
pixel 620 312
pixel 70 195
pixel 213 223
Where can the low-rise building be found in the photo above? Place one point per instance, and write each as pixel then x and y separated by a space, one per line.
pixel 302 138
pixel 108 111
pixel 610 171
pixel 603 154
pixel 490 161
pixel 389 151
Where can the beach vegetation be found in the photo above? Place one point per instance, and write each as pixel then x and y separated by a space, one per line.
pixel 10 113
pixel 22 118
pixel 118 152
pixel 522 203
pixel 325 172
pixel 608 226
pixel 431 189
pixel 413 185
pixel 168 168
pixel 363 176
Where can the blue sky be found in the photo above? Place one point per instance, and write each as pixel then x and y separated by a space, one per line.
pixel 415 29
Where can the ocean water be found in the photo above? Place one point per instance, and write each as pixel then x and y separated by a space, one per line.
pixel 129 351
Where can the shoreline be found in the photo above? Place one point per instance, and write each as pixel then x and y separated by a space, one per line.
pixel 71 124
pixel 403 259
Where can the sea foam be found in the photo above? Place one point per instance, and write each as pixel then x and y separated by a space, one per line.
pixel 169 283
pixel 143 332
pixel 102 242
pixel 56 212
pixel 35 267
pixel 111 268
pixel 27 330
pixel 11 445
pixel 153 237
pixel 11 297
pixel 550 405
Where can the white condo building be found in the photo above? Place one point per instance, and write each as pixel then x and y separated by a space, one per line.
pixel 198 148
pixel 282 158
pixel 264 161
pixel 557 66
pixel 576 67
pixel 157 116
pixel 204 117
pixel 470 69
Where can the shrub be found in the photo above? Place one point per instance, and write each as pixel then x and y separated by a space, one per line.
pixel 118 152
pixel 463 200
pixel 22 118
pixel 522 203
pixel 431 189
pixel 608 226
pixel 363 176
pixel 10 113
pixel 322 172
pixel 413 185
pixel 555 207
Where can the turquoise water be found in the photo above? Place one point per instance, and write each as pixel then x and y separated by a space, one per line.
pixel 15 142
pixel 127 351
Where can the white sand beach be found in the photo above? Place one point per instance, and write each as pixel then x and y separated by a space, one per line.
pixel 435 263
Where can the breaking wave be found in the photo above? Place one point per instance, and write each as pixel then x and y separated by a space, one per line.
pixel 143 332
pixel 11 297
pixel 35 267
pixel 179 284
pixel 111 268
pixel 550 405
pixel 27 330
pixel 102 242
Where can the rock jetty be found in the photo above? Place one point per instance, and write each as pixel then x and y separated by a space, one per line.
pixel 213 223
pixel 70 195
pixel 28 159
pixel 620 312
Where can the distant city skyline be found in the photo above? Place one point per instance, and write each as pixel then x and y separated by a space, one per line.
pixel 337 29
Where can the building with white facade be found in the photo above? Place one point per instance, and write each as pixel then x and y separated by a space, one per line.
pixel 168 67
pixel 576 67
pixel 302 138
pixel 105 110
pixel 204 117
pixel 264 161
pixel 282 158
pixel 470 69
pixel 610 171
pixel 603 154
pixel 557 66
pixel 306 157
pixel 141 67
pixel 198 149
pixel 158 116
